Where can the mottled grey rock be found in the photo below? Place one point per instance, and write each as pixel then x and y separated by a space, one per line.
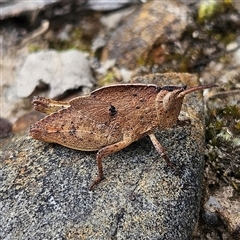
pixel 44 187
pixel 61 70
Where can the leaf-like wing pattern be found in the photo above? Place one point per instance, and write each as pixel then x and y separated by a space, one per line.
pixel 129 99
pixel 96 110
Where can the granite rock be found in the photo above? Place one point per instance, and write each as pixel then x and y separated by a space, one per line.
pixel 45 195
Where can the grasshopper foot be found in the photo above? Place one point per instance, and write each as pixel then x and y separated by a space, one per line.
pixel 184 122
pixel 170 164
pixel 95 182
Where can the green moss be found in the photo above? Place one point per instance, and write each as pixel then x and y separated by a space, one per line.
pixel 210 8
pixel 223 142
pixel 230 112
pixel 76 41
pixel 207 9
pixel 108 79
pixel 33 48
pixel 237 126
pixel 142 61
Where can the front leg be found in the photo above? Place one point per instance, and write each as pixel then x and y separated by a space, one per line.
pixel 103 152
pixel 183 122
pixel 161 151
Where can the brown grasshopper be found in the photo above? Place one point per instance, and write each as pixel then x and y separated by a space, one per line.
pixel 110 118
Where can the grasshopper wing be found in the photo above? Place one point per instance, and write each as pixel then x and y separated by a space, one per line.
pixel 99 111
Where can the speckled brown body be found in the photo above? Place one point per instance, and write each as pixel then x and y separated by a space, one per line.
pixel 110 118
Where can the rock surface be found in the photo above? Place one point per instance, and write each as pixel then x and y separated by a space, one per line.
pixel 154 24
pixel 44 187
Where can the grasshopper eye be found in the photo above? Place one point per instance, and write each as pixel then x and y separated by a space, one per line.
pixel 184 87
pixel 173 88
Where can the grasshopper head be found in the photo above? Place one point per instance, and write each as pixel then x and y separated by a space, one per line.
pixel 169 102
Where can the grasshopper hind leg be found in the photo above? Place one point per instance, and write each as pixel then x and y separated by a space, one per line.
pixel 103 152
pixel 48 106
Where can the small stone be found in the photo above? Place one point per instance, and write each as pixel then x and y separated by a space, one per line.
pixel 61 70
pixel 170 18
pixel 5 128
pixel 26 120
